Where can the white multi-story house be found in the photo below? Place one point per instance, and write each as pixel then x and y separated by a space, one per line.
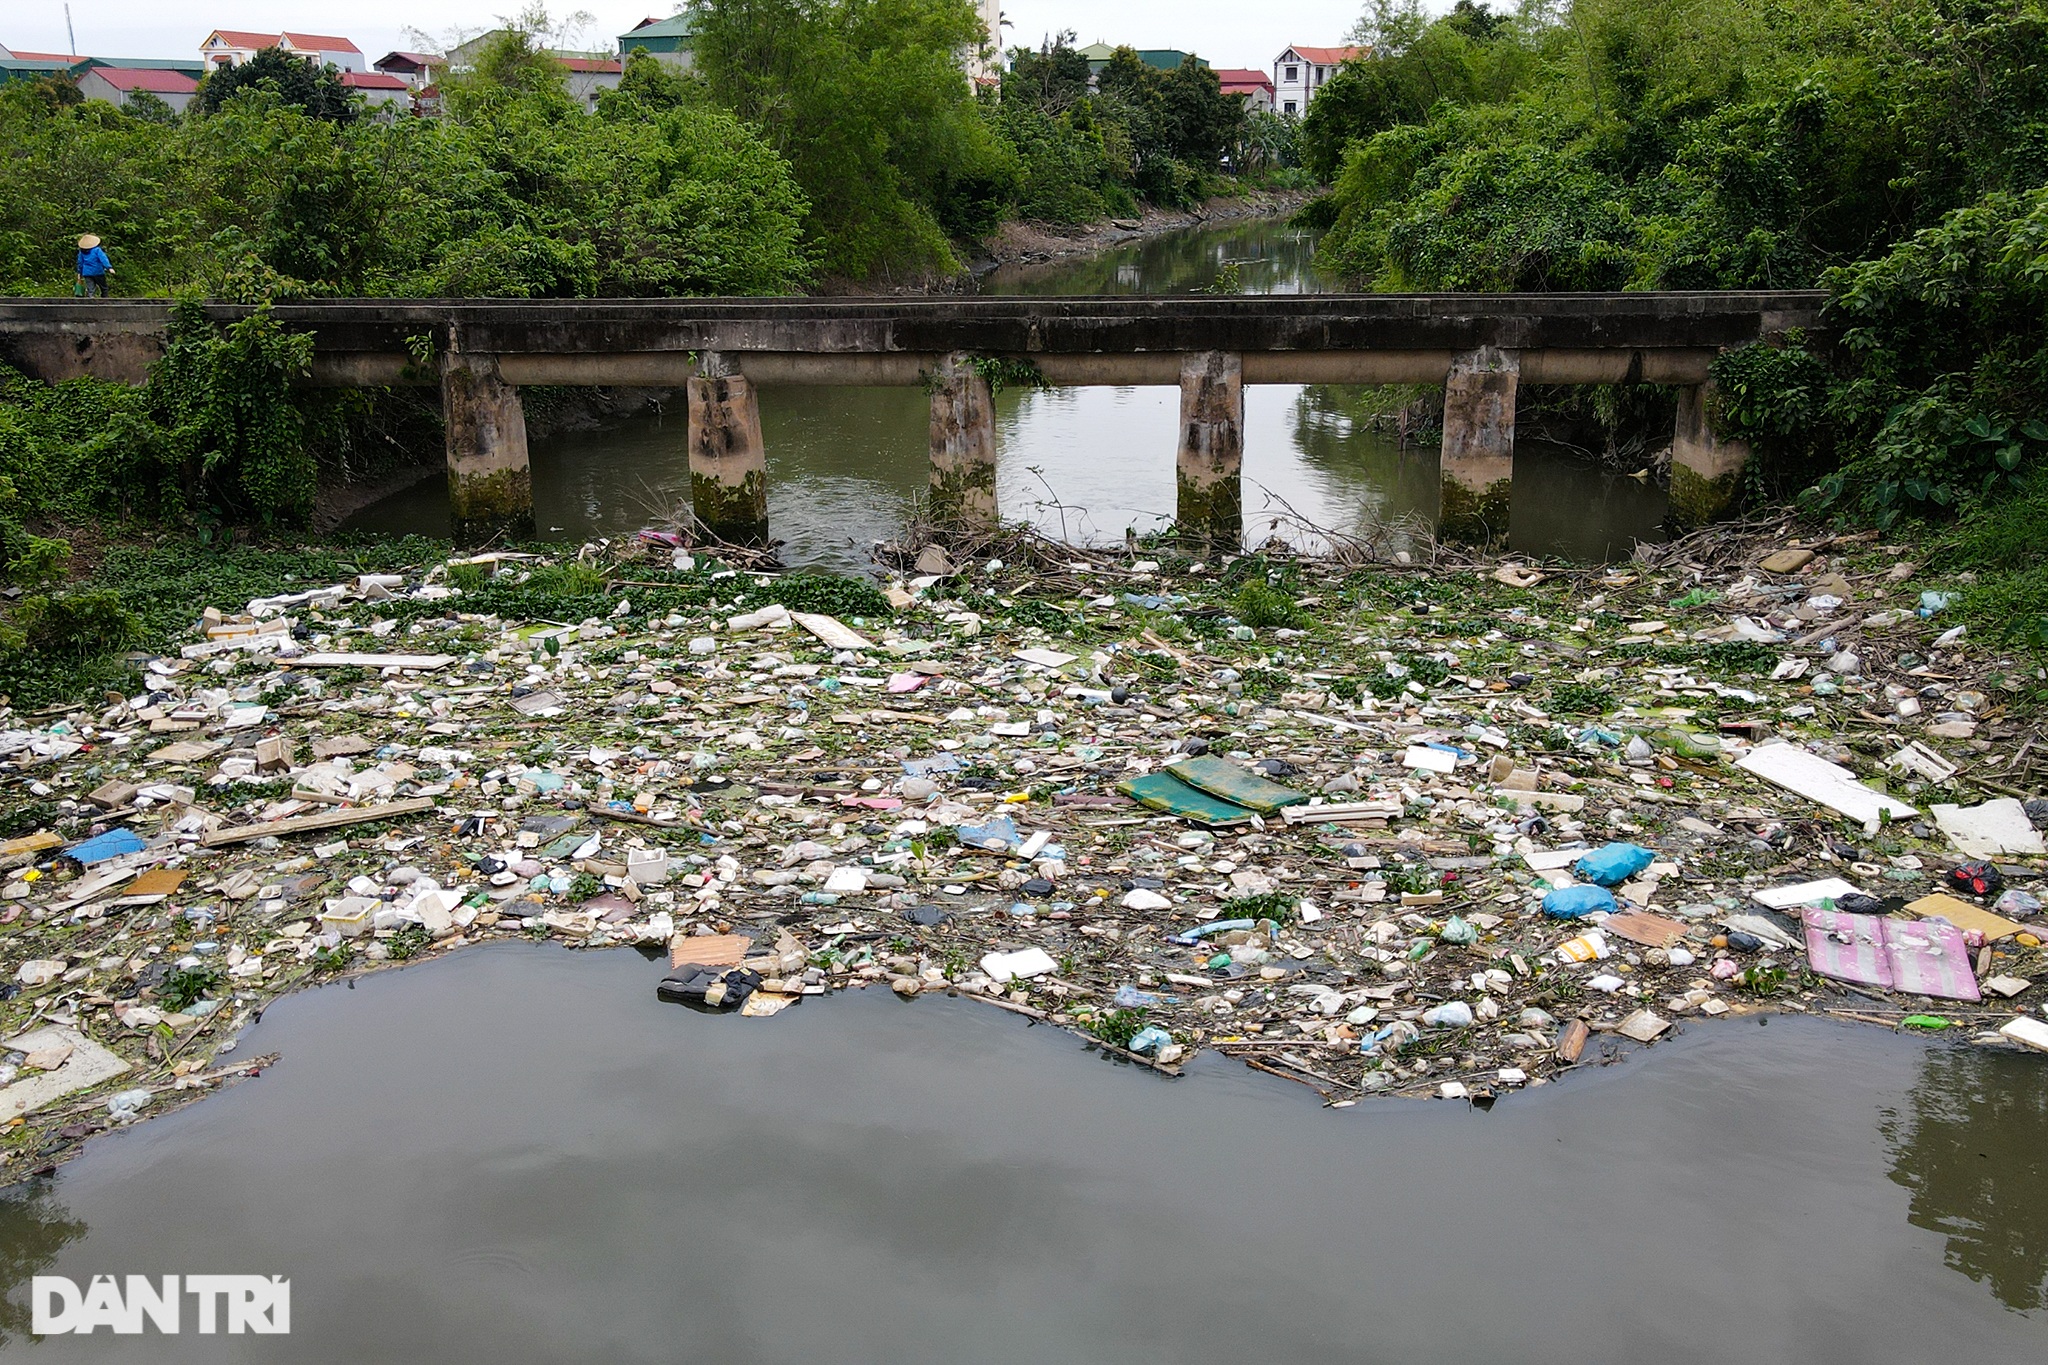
pixel 232 47
pixel 1300 72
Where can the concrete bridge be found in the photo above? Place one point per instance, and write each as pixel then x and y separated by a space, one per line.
pixel 1480 347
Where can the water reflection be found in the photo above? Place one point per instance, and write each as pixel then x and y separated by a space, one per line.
pixel 34 1227
pixel 1971 1145
pixel 845 465
pixel 1271 256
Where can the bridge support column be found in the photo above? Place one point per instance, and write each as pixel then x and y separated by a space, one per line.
pixel 1208 474
pixel 1479 445
pixel 1706 469
pixel 728 461
pixel 490 483
pixel 963 440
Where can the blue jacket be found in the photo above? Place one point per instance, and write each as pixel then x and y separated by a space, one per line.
pixel 93 262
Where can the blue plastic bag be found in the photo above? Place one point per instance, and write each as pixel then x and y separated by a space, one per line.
pixel 1148 1041
pixel 1614 864
pixel 1573 902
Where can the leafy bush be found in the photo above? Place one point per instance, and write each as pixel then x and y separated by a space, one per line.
pixel 1260 605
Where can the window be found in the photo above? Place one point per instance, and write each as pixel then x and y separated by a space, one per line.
pixel 1288 107
pixel 1293 73
pixel 1319 72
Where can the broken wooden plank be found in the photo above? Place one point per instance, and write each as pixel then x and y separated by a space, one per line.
pixel 302 824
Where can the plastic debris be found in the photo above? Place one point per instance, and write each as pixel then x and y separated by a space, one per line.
pixel 1576 902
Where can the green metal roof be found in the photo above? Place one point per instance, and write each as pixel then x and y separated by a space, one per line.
pixel 675 26
pixel 189 68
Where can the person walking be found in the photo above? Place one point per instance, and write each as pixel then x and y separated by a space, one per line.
pixel 93 268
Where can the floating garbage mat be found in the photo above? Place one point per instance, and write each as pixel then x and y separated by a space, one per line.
pixel 1370 829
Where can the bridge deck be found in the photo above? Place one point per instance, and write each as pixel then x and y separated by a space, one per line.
pixel 1131 339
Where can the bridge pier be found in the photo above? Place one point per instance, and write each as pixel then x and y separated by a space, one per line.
pixel 490 483
pixel 728 460
pixel 1479 445
pixel 1706 469
pixel 1209 471
pixel 963 444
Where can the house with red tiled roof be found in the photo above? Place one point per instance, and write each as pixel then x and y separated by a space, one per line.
pixel 378 88
pixel 117 84
pixel 417 69
pixel 1255 88
pixel 1300 72
pixel 232 47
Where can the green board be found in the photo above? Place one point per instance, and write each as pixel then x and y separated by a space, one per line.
pixel 1242 786
pixel 1166 793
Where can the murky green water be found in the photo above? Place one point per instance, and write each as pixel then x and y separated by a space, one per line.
pixel 517 1154
pixel 844 464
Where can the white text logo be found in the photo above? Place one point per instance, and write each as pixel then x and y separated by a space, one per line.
pixel 220 1303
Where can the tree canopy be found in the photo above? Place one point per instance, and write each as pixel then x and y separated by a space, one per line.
pixel 311 87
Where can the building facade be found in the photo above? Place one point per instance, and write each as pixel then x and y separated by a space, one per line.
pixel 1255 88
pixel 670 41
pixel 232 47
pixel 1300 72
pixel 417 69
pixel 118 85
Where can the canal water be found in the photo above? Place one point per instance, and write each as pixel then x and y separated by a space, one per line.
pixel 844 464
pixel 517 1154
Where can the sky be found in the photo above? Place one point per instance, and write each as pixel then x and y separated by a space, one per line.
pixel 1226 33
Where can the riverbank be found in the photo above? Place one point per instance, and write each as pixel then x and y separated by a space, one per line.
pixel 1021 243
pixel 798 785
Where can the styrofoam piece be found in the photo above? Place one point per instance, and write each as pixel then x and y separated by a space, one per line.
pixel 1997 828
pixel 1829 784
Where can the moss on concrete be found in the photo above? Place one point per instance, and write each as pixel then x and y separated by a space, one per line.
pixel 1209 514
pixel 1472 516
pixel 738 514
pixel 964 492
pixel 484 507
pixel 1696 499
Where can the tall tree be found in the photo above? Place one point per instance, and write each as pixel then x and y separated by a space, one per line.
pixel 311 86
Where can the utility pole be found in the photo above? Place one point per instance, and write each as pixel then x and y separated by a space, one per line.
pixel 69 34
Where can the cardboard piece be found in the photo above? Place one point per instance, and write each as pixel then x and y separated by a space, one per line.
pixel 85 1065
pixel 159 881
pixel 341 746
pixel 709 950
pixel 1813 777
pixel 186 751
pixel 1652 931
pixel 1966 916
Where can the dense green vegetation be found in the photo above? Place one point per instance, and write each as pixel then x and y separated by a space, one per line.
pixel 1894 152
pixel 517 192
pixel 816 139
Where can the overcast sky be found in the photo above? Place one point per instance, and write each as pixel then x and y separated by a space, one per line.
pixel 1226 33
